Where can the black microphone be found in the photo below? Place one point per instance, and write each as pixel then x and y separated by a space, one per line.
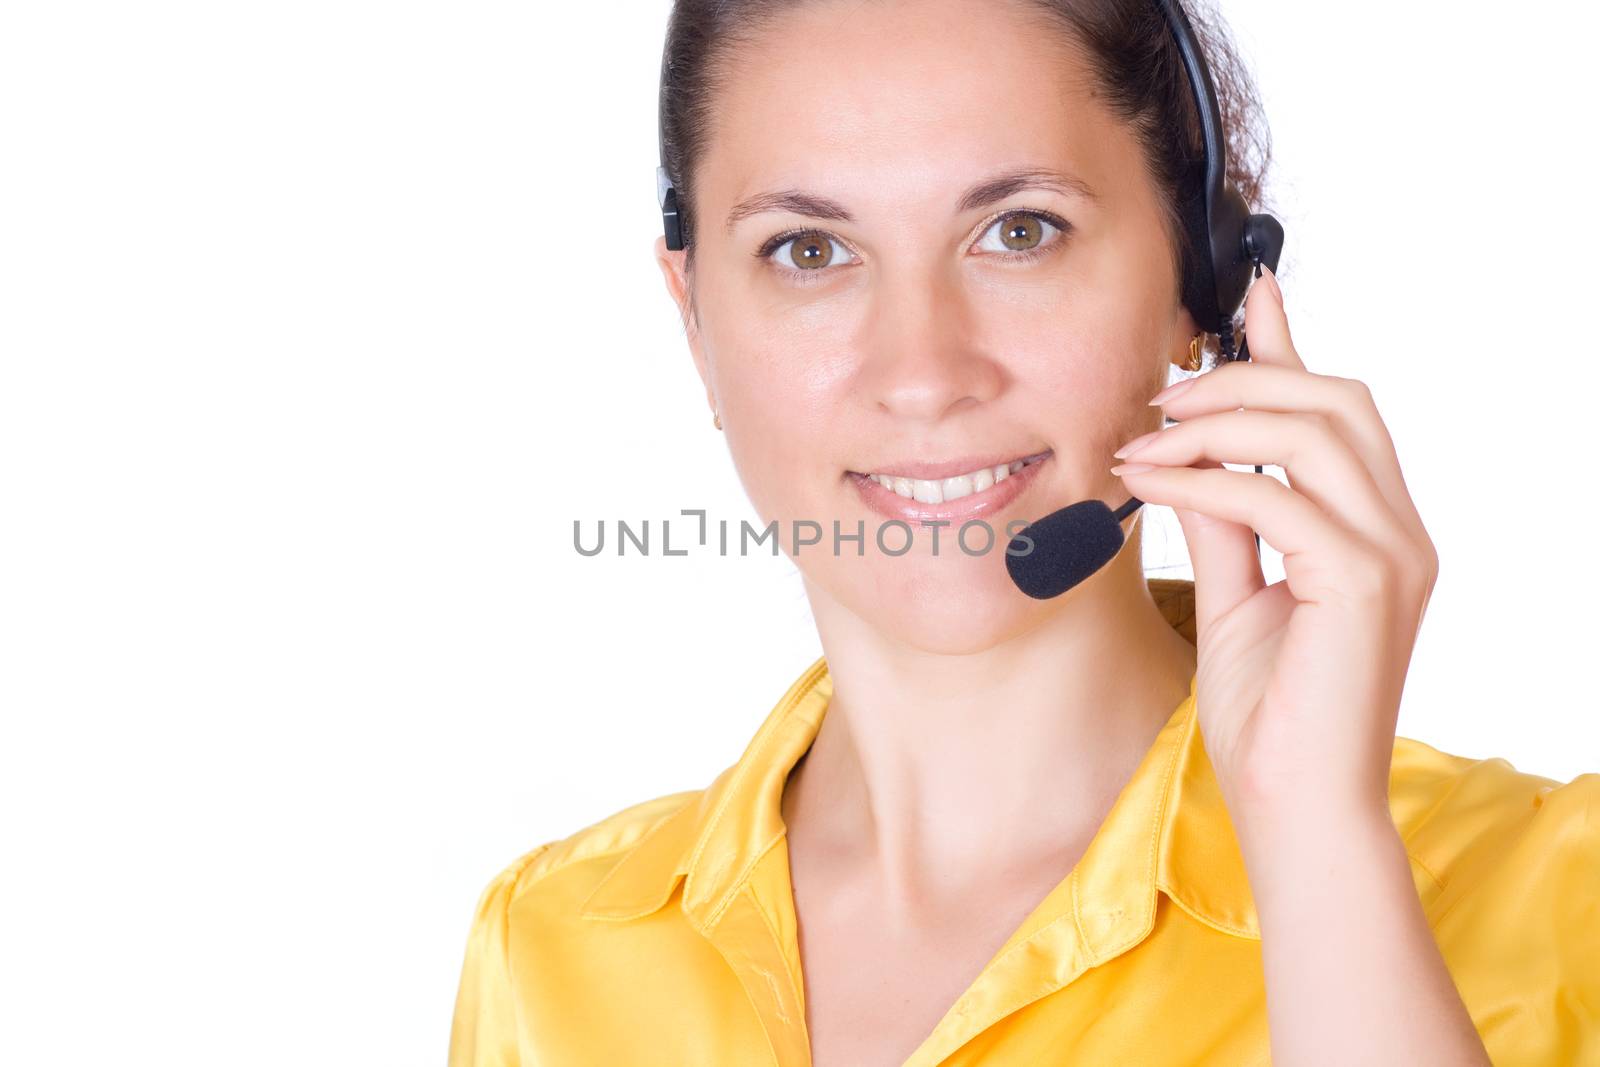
pixel 1068 546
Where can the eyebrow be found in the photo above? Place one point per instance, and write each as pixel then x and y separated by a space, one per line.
pixel 984 193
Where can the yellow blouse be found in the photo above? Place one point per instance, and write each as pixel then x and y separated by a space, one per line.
pixel 664 935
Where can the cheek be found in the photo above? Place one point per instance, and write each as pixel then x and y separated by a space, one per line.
pixel 784 388
pixel 1085 369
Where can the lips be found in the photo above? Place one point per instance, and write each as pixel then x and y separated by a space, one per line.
pixel 935 486
pixel 953 491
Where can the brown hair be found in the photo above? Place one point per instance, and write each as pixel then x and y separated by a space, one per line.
pixel 1131 53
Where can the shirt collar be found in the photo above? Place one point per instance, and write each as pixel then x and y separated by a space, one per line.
pixel 1168 831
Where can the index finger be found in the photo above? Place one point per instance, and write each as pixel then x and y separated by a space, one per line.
pixel 1266 324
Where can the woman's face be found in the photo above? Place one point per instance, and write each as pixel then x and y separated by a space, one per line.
pixel 870 302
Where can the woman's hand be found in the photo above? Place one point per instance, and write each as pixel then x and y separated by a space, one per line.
pixel 1298 690
pixel 1298 683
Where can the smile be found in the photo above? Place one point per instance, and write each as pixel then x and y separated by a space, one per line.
pixel 924 491
pixel 938 490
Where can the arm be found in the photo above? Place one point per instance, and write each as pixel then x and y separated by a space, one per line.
pixel 1353 973
pixel 1299 686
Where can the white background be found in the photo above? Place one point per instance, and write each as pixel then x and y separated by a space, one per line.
pixel 322 321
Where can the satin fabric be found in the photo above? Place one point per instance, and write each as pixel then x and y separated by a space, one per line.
pixel 665 934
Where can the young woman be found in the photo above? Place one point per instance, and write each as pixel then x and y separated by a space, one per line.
pixel 934 273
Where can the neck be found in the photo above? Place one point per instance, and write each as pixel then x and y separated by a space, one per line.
pixel 932 772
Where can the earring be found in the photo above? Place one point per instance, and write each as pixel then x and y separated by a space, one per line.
pixel 1194 353
pixel 716 420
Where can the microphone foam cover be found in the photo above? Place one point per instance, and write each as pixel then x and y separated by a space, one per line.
pixel 1068 546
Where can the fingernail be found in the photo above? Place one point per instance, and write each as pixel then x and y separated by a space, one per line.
pixel 1132 468
pixel 1173 390
pixel 1266 272
pixel 1134 445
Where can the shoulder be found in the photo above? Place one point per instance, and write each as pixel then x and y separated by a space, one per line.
pixel 1460 815
pixel 581 859
pixel 522 934
pixel 1510 885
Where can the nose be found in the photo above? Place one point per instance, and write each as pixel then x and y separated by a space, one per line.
pixel 923 360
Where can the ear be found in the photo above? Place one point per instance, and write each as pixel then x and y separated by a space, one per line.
pixel 674 271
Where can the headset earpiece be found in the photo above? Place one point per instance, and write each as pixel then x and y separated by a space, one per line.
pixel 666 194
pixel 1263 241
pixel 667 197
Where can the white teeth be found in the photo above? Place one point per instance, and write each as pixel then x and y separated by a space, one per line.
pixel 937 491
pixel 957 487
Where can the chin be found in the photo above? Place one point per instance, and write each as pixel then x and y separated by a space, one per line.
pixel 945 605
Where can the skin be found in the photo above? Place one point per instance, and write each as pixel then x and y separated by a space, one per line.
pixel 925 338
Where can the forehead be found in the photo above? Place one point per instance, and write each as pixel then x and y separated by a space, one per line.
pixel 898 103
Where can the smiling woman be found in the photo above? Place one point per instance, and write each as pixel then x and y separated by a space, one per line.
pixel 933 257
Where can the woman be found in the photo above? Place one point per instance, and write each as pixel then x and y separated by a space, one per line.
pixel 933 274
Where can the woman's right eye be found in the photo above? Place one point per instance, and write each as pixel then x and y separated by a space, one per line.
pixel 805 252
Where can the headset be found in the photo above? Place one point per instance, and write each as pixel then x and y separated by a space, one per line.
pixel 1082 537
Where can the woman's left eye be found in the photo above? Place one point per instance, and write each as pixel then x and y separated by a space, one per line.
pixel 1022 234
